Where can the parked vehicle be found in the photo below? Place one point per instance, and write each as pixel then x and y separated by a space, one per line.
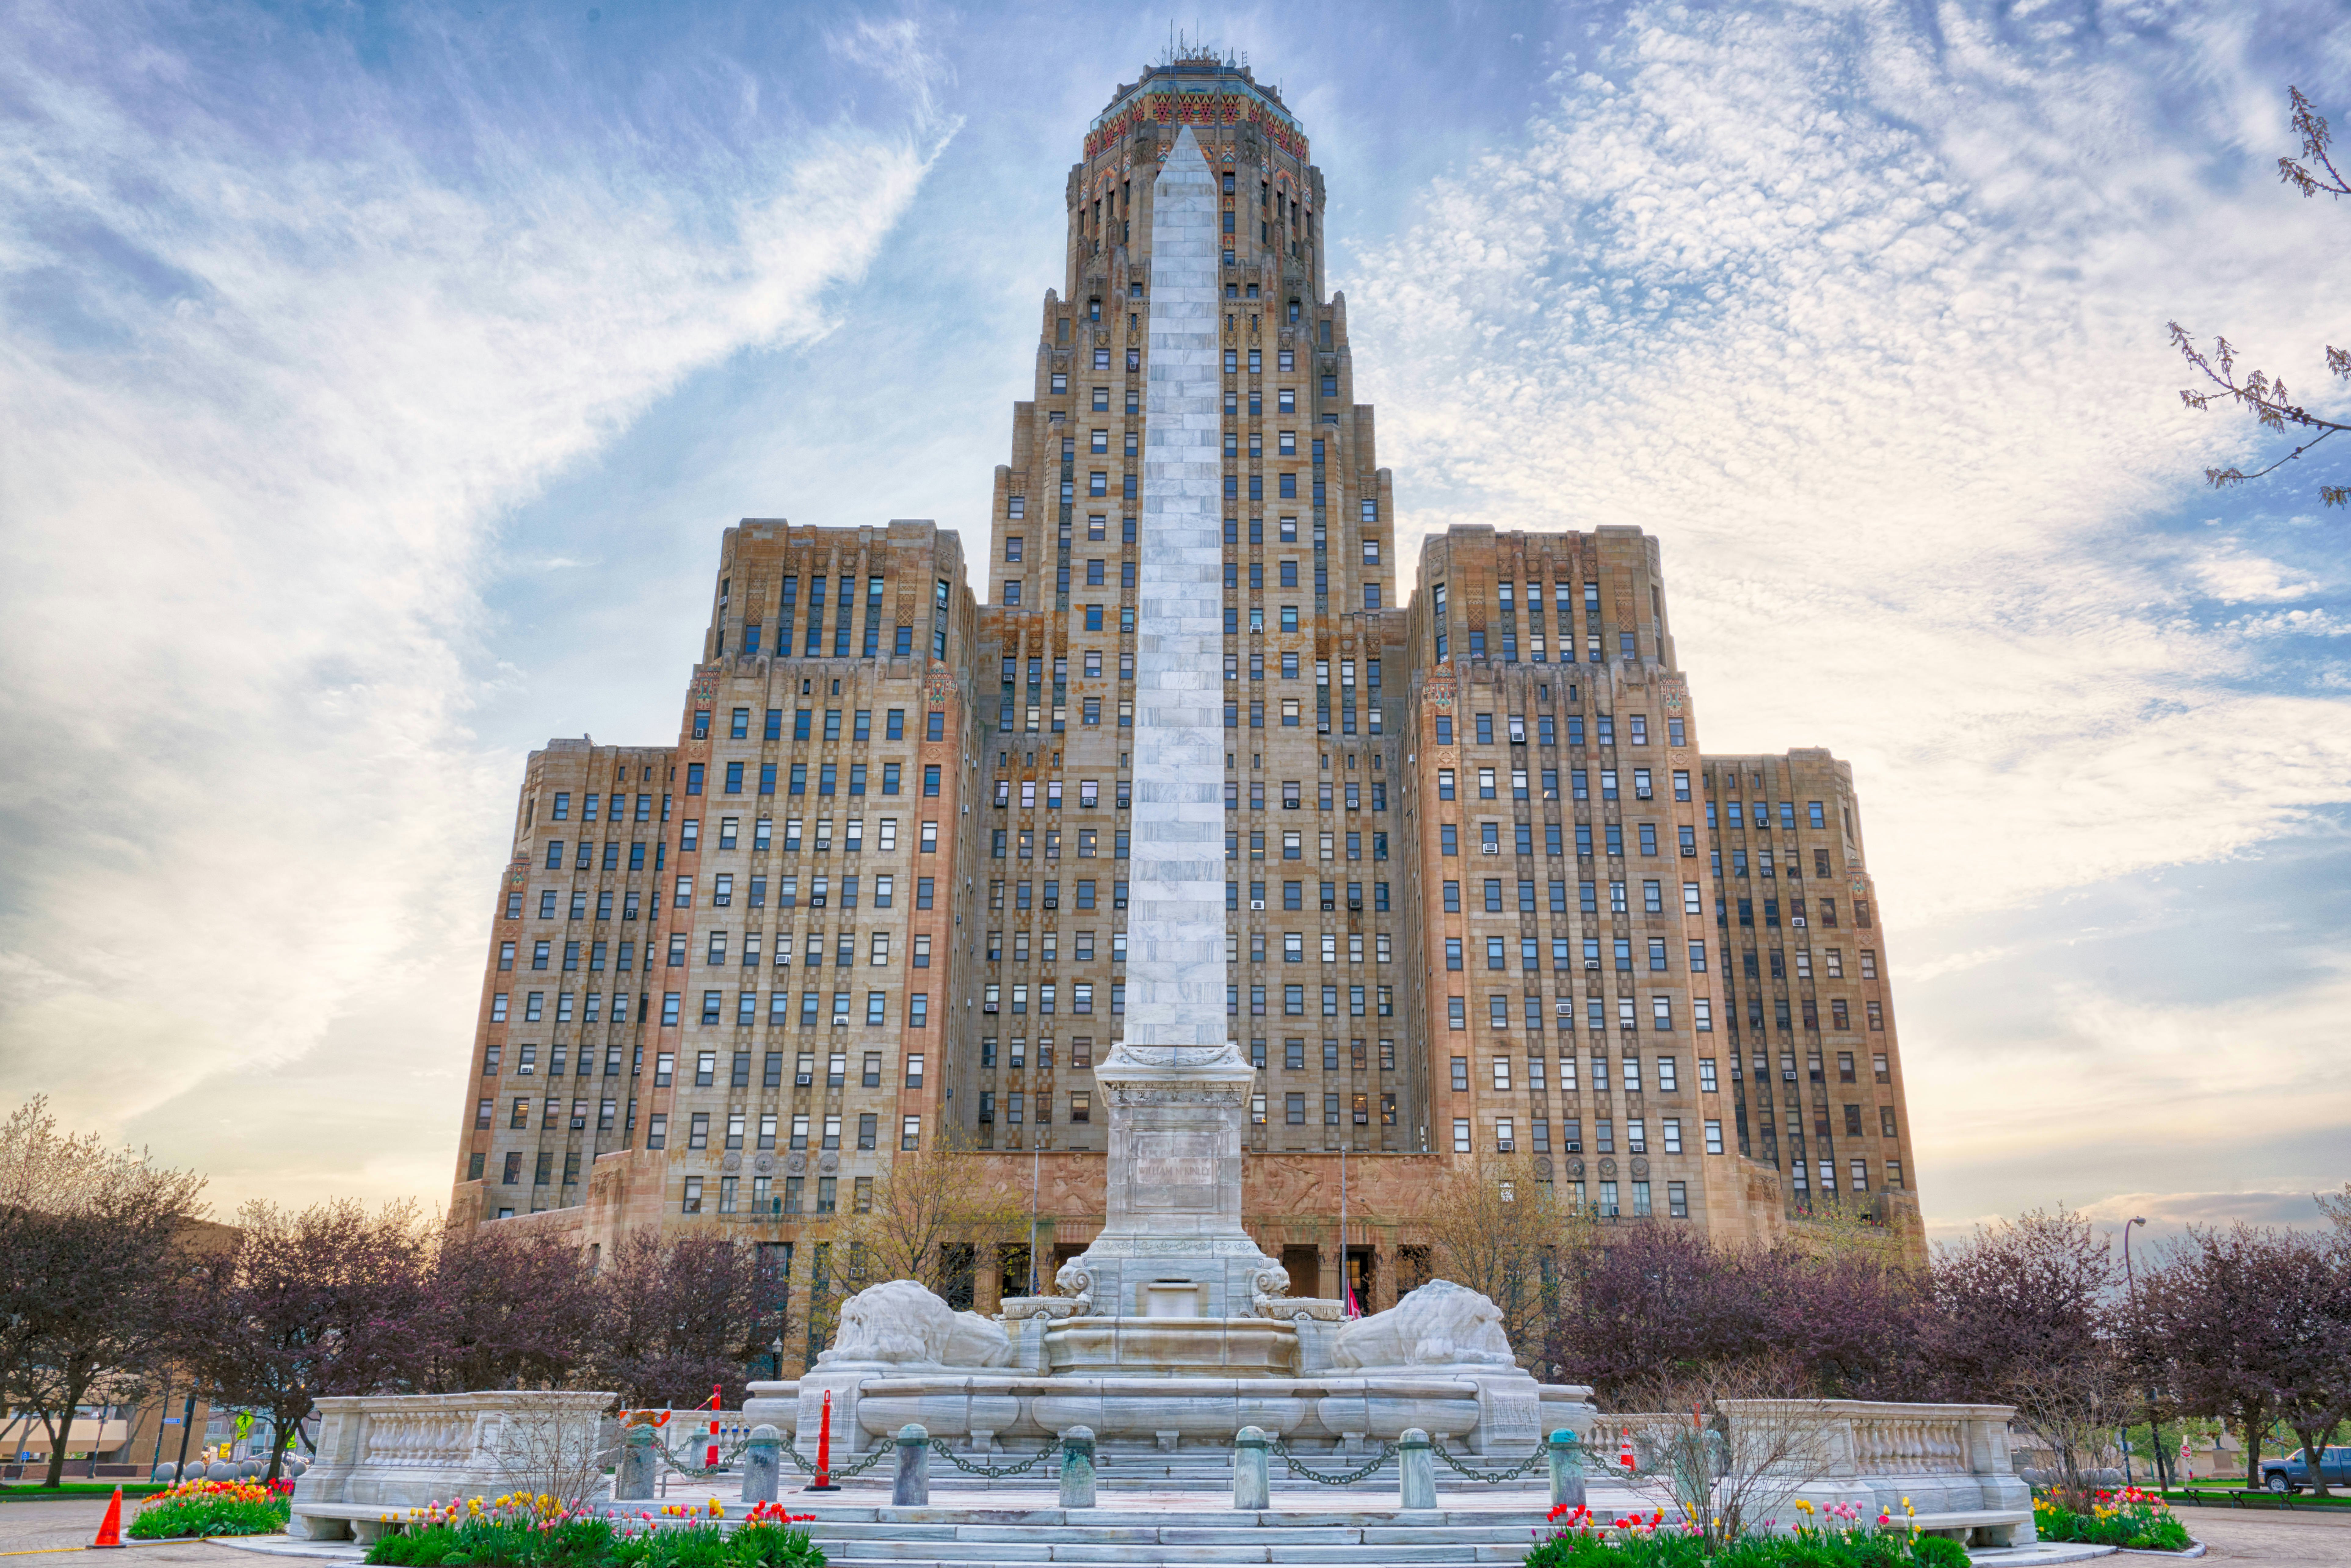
pixel 2292 1474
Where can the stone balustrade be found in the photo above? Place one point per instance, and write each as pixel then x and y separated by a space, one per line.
pixel 385 1453
pixel 1950 1462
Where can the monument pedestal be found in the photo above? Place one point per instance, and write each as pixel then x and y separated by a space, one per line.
pixel 1172 1244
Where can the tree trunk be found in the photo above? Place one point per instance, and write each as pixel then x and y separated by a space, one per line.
pixel 2314 1454
pixel 2251 1419
pixel 61 1434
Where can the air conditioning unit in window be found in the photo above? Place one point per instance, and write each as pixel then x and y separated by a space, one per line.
pixel 1489 848
pixel 1504 1145
pixel 1257 903
pixel 801 1080
pixel 1799 920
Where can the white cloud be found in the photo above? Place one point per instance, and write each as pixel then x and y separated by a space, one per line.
pixel 2238 577
pixel 264 407
pixel 1867 325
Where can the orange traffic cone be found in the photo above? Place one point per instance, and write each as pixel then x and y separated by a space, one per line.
pixel 110 1529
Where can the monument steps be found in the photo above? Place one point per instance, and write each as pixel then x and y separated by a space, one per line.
pixel 1114 1538
pixel 1125 1538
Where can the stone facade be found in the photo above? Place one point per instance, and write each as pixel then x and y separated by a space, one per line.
pixel 1480 885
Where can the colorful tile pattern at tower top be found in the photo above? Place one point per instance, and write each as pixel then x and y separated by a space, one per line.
pixel 1450 881
pixel 1176 962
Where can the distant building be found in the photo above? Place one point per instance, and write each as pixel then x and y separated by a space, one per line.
pixel 1487 893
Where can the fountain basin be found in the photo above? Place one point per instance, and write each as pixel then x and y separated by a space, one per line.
pixel 959 1406
pixel 1172 1347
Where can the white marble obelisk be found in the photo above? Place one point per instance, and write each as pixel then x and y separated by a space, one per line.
pixel 1175 1088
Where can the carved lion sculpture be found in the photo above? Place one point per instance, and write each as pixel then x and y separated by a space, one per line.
pixel 1441 1323
pixel 902 1321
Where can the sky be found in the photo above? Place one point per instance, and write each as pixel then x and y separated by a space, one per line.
pixel 375 382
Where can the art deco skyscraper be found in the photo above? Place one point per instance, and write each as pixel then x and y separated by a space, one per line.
pixel 1484 896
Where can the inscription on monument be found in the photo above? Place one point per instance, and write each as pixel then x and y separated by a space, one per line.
pixel 1164 1160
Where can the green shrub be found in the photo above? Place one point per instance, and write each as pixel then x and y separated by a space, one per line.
pixel 1589 1544
pixel 2133 1517
pixel 213 1508
pixel 518 1535
pixel 1939 1552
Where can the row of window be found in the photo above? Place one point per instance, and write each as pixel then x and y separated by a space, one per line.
pixel 1048 793
pixel 780 1011
pixel 1669 1136
pixel 804 727
pixel 1017 1104
pixel 1024 893
pixel 736 777
pixel 527 1055
pixel 616 807
pixel 1293 897
pixel 1292 846
pixel 1287 620
pixel 1082 1053
pixel 1666 1074
pixel 1661 1014
pixel 1089 713
pixel 1840 1015
pixel 1561 958
pixel 1289 662
pixel 1653 897
pixel 1767 867
pixel 1611 839
pixel 997 998
pixel 715 952
pixel 1293 947
pixel 1879 1066
pixel 1293 1055
pixel 1815 815
pixel 1579 784
pixel 1380 998
pixel 770 1199
pixel 1546 733
pixel 1049 946
pixel 1358 1109
pixel 1605 1205
pixel 1328 796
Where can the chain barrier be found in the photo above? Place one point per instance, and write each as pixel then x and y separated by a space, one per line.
pixel 1281 1446
pixel 994 1472
pixel 1541 1455
pixel 883 1451
pixel 702 1472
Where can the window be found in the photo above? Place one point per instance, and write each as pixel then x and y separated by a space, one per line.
pixel 1714 1137
pixel 1461 1135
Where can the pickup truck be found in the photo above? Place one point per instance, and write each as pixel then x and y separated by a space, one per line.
pixel 2291 1473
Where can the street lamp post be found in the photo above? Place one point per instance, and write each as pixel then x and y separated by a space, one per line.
pixel 1036 1167
pixel 2130 1283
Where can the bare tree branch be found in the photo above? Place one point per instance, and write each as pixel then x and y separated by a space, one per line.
pixel 2267 398
pixel 2310 126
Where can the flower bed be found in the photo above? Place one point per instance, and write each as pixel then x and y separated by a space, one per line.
pixel 1579 1539
pixel 518 1531
pixel 214 1508
pixel 2132 1517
